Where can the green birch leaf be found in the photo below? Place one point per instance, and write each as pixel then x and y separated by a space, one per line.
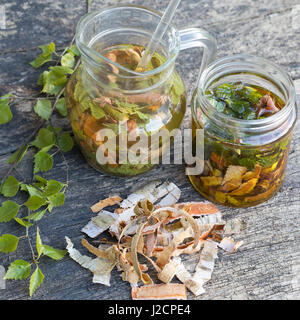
pixel 18 270
pixel 219 105
pixel 61 70
pixel 224 91
pixel 42 162
pixel 8 210
pixel 97 111
pixel 35 202
pixel 10 187
pixel 249 115
pixel 45 56
pixel 41 179
pixel 53 253
pixel 51 88
pixel 23 223
pixel 44 138
pixel 65 142
pixel 85 103
pixel 61 107
pixel 5 112
pixel 48 47
pixel 8 243
pixel 20 153
pixel 42 78
pixel 74 50
pixel 36 216
pixel 39 185
pixel 56 79
pixel 53 187
pixel 46 149
pixel 23 187
pixel 41 59
pixel 57 200
pixel 31 190
pixel 143 116
pixel 46 250
pixel 43 108
pixel 68 60
pixel 39 244
pixel 57 130
pixel 36 280
pixel 254 96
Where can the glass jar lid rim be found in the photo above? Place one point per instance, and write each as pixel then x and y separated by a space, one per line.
pixel 85 49
pixel 234 122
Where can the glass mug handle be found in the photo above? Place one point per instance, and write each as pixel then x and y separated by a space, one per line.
pixel 196 37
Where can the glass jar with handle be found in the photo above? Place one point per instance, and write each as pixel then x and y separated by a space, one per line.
pixel 107 92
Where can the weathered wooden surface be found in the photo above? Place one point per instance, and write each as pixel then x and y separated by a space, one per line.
pixel 267 265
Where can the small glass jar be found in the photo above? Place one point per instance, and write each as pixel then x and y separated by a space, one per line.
pixel 244 160
pixel 104 93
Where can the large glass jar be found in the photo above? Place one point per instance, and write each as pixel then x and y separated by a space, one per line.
pixel 108 92
pixel 244 160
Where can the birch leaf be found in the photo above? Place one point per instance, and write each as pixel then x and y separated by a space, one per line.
pixel 8 243
pixel 18 270
pixel 36 280
pixel 8 210
pixel 10 187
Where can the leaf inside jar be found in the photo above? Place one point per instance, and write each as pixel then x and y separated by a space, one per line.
pixel 243 101
pixel 92 107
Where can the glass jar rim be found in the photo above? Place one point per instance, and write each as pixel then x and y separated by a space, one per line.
pixel 84 49
pixel 267 123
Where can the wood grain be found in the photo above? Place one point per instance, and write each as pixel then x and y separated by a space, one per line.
pixel 267 265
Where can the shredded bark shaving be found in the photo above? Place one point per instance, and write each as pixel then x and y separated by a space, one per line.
pixel 150 224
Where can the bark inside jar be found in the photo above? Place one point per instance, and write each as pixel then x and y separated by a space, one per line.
pixel 237 174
